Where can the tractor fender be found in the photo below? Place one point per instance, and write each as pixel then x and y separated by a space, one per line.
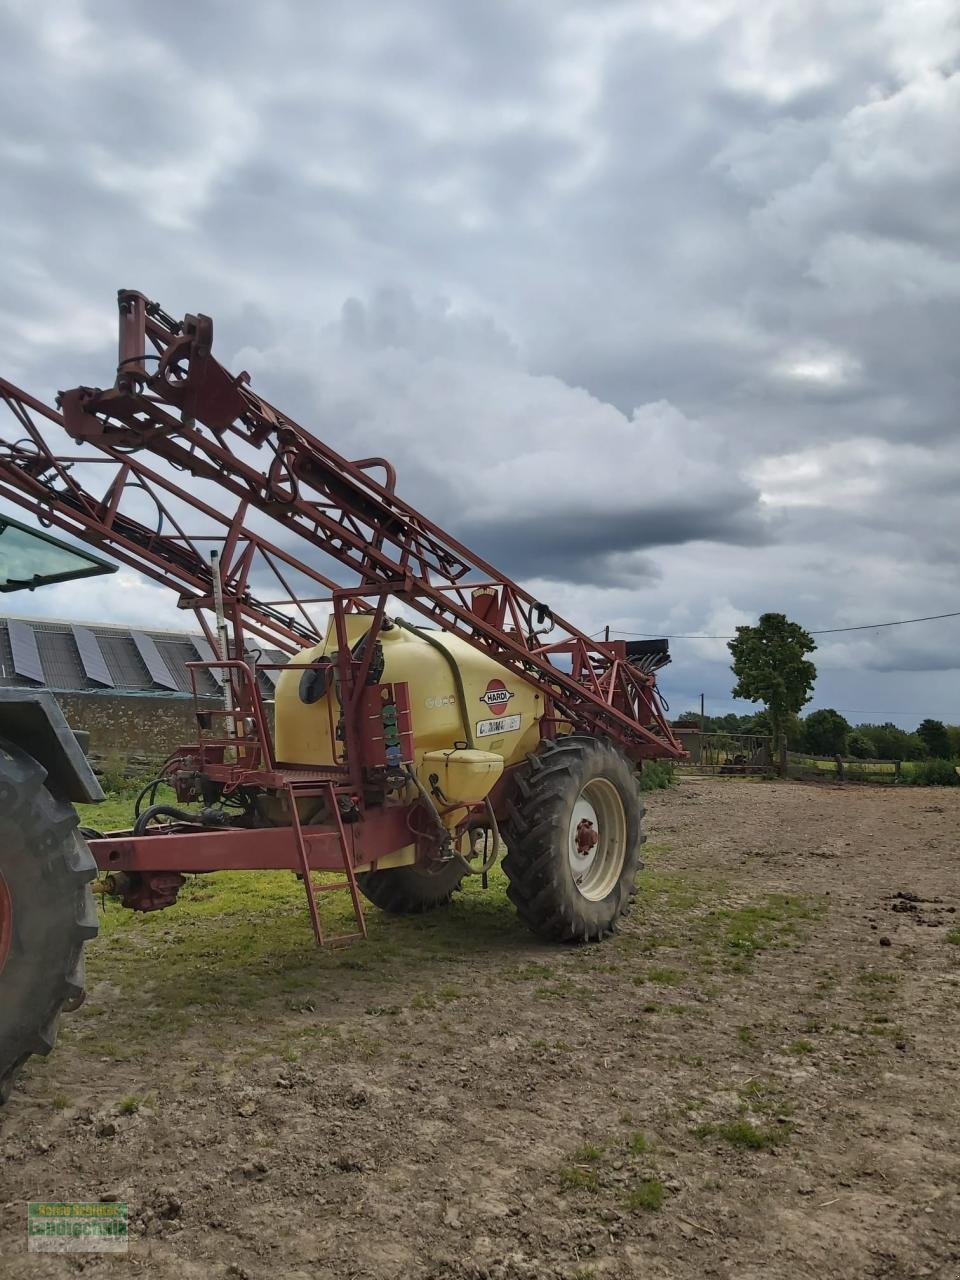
pixel 32 719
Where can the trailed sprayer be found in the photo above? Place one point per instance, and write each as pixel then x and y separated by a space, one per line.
pixel 428 710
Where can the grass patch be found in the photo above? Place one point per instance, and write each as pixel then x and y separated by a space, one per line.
pixel 645 1196
pixel 661 976
pixel 800 1048
pixel 130 1105
pixel 773 921
pixel 588 1151
pixel 573 1178
pixel 236 942
pixel 744 1133
pixel 638 1144
pixel 952 936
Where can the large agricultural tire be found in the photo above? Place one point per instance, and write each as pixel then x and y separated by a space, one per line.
pixel 47 912
pixel 409 891
pixel 561 891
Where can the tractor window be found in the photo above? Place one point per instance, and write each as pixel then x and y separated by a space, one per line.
pixel 30 559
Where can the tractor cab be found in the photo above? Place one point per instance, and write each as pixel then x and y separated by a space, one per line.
pixel 31 559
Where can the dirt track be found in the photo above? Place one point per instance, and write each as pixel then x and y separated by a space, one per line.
pixel 772 1043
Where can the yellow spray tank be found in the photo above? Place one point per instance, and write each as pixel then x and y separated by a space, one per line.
pixel 470 716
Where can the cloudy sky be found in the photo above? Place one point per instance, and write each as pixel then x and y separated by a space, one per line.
pixel 654 304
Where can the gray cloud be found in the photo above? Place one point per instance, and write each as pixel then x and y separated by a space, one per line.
pixel 657 304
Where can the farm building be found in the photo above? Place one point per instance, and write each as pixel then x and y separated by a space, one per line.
pixel 130 689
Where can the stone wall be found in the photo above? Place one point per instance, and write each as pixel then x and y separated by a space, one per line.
pixel 131 724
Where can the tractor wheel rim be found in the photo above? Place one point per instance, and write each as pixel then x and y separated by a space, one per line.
pixel 6 922
pixel 596 871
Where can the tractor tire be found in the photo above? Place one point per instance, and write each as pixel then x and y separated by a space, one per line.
pixel 409 891
pixel 47 912
pixel 562 891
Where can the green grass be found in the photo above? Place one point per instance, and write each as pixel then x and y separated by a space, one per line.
pixel 645 1196
pixel 952 937
pixel 236 945
pixel 130 1105
pixel 744 1133
pixel 588 1151
pixel 638 1145
pixel 772 921
pixel 237 940
pixel 662 976
pixel 799 1048
pixel 573 1178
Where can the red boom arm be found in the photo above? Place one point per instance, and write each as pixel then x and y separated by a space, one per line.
pixel 173 400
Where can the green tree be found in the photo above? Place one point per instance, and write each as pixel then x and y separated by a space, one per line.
pixel 860 746
pixel 933 734
pixel 771 666
pixel 825 733
pixel 891 743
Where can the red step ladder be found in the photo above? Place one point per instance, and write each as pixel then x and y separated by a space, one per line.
pixel 327 790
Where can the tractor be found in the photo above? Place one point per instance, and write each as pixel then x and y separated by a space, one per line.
pixel 427 710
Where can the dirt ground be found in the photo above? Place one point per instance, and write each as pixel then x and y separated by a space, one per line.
pixel 757 1078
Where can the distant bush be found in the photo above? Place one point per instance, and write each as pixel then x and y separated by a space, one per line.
pixel 891 743
pixel 931 773
pixel 657 775
pixel 861 748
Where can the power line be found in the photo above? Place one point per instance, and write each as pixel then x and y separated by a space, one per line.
pixel 822 631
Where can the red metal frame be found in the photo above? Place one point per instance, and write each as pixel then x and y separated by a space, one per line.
pixel 189 410
pixel 227 460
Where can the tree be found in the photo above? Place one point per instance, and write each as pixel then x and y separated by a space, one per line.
pixel 691 718
pixel 770 663
pixel 860 746
pixel 933 734
pixel 825 733
pixel 891 743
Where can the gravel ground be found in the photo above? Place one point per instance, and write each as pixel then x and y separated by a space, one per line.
pixel 757 1078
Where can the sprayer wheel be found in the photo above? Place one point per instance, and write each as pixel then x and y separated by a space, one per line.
pixel 570 791
pixel 47 912
pixel 409 891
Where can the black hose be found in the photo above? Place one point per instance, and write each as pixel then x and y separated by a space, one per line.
pixel 152 788
pixel 455 672
pixel 166 811
pixel 488 862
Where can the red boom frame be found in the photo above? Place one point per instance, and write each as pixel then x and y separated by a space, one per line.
pixel 171 399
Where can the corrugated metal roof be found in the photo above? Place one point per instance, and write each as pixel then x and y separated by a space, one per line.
pixel 68 657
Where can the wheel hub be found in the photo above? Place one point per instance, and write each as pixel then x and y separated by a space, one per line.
pixel 597 843
pixel 6 922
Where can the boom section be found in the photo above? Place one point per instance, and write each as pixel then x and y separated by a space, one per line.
pixel 175 401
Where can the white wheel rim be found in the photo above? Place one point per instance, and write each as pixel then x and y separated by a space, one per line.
pixel 596 870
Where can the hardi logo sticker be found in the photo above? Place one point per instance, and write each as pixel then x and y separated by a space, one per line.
pixel 497 695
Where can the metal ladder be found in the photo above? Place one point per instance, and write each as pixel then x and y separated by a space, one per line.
pixel 327 790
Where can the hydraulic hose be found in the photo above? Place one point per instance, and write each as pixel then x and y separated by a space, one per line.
pixel 454 671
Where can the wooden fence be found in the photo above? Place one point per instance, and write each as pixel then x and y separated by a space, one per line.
pixel 841 769
pixel 733 754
